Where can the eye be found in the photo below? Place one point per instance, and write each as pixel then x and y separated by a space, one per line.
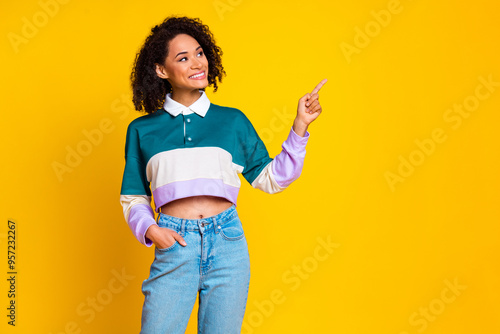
pixel 201 52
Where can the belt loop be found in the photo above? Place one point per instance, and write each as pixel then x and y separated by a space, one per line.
pixel 183 227
pixel 216 230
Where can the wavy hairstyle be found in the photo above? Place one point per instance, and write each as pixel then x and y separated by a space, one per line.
pixel 149 90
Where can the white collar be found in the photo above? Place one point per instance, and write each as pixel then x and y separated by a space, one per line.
pixel 199 107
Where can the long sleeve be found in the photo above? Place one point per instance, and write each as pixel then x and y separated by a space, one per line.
pixel 273 175
pixel 139 216
pixel 287 166
pixel 135 194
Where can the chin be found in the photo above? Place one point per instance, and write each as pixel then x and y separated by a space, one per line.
pixel 203 85
pixel 198 85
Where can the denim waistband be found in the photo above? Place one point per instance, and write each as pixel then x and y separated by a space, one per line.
pixel 194 224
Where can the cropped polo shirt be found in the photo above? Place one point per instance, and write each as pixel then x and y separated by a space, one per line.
pixel 180 151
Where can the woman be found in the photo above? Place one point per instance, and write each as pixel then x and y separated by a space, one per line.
pixel 187 153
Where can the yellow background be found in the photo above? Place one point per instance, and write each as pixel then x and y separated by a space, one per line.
pixel 397 249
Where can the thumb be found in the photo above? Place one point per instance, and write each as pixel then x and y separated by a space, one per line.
pixel 305 97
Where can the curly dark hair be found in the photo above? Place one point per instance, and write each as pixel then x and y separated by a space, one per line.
pixel 149 90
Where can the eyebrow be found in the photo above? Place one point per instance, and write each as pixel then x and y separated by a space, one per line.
pixel 199 46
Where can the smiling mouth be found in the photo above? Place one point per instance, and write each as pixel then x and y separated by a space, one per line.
pixel 198 76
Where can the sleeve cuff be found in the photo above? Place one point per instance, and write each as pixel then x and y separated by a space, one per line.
pixel 297 141
pixel 141 217
pixel 296 145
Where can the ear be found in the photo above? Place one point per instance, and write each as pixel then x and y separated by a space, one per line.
pixel 161 72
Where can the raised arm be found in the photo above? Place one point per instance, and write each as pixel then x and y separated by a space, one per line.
pixel 286 167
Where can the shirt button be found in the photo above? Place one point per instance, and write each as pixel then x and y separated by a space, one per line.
pixel 188 120
pixel 189 138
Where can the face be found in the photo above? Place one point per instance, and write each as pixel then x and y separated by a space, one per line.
pixel 185 67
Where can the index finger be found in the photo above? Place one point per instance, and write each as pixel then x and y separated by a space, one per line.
pixel 318 87
pixel 179 239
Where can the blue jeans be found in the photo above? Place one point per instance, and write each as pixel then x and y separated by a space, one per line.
pixel 215 263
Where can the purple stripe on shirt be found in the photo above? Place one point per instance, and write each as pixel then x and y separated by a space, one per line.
pixel 287 165
pixel 196 187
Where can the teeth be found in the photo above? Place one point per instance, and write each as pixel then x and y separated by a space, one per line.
pixel 198 75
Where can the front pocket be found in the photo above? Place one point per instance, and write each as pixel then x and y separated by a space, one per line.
pixel 163 250
pixel 232 230
pixel 170 227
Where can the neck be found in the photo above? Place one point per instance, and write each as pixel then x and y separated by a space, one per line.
pixel 186 97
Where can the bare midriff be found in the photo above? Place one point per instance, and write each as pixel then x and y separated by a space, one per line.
pixel 196 207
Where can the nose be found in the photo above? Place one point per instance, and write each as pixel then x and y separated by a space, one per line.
pixel 196 63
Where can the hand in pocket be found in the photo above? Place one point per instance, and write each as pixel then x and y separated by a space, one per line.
pixel 164 237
